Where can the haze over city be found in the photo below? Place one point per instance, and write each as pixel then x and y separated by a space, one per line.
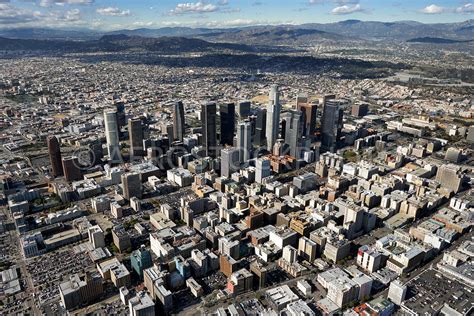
pixel 241 158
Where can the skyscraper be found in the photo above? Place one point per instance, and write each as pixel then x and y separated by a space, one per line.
pixel 244 140
pixel 96 152
pixel 71 167
pixel 112 135
pixel 121 117
pixel 262 169
pixel 208 117
pixel 178 121
pixel 301 99
pixel 273 117
pixel 293 131
pixel 131 185
pixel 331 125
pixel 359 109
pixel 229 161
pixel 309 112
pixel 140 260
pixel 135 133
pixel 243 109
pixel 54 152
pixel 227 112
pixel 260 127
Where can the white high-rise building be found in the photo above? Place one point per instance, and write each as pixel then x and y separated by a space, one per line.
pixel 397 292
pixel 273 117
pixel 244 140
pixel 262 169
pixel 229 161
pixel 112 135
pixel 96 236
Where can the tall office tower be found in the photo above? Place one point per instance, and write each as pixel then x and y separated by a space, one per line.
pixel 229 161
pixel 260 126
pixel 121 118
pixel 112 135
pixel 331 125
pixel 178 121
pixel 301 99
pixel 140 260
pixel 71 168
pixel 397 292
pixel 451 177
pixel 96 152
pixel 359 109
pixel 243 109
pixel 135 133
pixel 273 117
pixel 96 236
pixel 310 112
pixel 262 169
pixel 55 156
pixel 324 98
pixel 131 185
pixel 293 131
pixel 209 137
pixel 244 140
pixel 227 112
pixel 168 130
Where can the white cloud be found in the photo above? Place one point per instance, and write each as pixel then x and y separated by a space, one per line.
pixel 12 15
pixel 111 11
pixel 467 8
pixel 48 3
pixel 346 9
pixel 194 7
pixel 143 24
pixel 433 9
pixel 72 15
pixel 225 23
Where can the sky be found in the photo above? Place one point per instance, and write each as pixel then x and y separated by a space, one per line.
pixel 132 14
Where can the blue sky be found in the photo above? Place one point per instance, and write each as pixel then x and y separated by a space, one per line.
pixel 108 14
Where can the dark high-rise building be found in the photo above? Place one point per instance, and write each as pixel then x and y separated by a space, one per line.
pixel 209 134
pixel 131 185
pixel 360 109
pixel 243 109
pixel 310 112
pixel 96 152
pixel 293 131
pixel 260 126
pixel 72 169
pixel 135 132
pixel 331 125
pixel 121 118
pixel 55 156
pixel 227 112
pixel 178 121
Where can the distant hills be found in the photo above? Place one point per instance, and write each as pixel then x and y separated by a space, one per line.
pixel 437 40
pixel 275 34
pixel 122 42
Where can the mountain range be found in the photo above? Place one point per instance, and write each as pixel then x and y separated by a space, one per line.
pixel 276 34
pixel 122 42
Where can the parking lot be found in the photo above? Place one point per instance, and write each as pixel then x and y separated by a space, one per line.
pixel 429 291
pixel 50 269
